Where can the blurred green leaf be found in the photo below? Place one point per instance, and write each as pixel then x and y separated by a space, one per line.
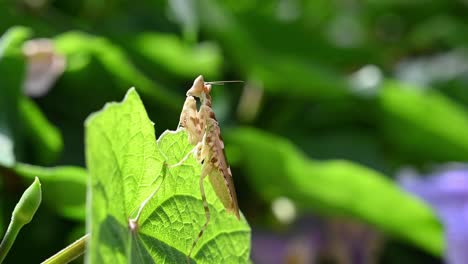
pixel 126 166
pixel 12 40
pixel 356 145
pixel 184 13
pixel 301 77
pixel 274 70
pixel 337 187
pixel 78 47
pixel 440 28
pixel 422 124
pixel 12 68
pixel 45 138
pixel 64 187
pixel 170 52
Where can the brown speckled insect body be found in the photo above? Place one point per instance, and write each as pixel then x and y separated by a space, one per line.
pixel 204 132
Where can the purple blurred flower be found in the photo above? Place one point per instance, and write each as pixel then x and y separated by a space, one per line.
pixel 447 193
pixel 340 241
pixel 298 245
pixel 277 249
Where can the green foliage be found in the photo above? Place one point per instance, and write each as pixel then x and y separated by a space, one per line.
pixel 12 69
pixel 169 52
pixel 272 68
pixel 335 187
pixel 126 166
pixel 80 47
pixel 46 139
pixel 12 41
pixel 299 61
pixel 64 187
pixel 423 124
pixel 28 204
pixel 21 121
pixel 22 214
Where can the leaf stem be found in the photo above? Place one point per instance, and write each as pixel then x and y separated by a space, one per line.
pixel 69 253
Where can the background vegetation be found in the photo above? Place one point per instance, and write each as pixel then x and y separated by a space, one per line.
pixel 339 97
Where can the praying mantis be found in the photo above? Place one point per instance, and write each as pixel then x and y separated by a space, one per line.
pixel 204 132
pixel 205 135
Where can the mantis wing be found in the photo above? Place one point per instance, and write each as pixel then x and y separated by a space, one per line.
pixel 223 186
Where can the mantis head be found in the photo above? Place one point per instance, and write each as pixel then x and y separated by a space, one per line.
pixel 199 87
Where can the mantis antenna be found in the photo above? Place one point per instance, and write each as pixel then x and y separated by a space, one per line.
pixel 223 82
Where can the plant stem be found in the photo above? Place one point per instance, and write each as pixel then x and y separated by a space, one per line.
pixel 13 229
pixel 69 253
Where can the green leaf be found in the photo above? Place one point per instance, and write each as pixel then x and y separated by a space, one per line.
pixel 12 68
pixel 126 165
pixel 337 187
pixel 423 124
pixel 16 110
pixel 64 187
pixel 46 138
pixel 12 40
pixel 79 46
pixel 170 52
pixel 274 70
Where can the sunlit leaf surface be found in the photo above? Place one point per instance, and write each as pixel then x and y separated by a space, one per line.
pixel 126 165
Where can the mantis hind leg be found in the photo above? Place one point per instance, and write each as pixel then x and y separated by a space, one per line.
pixel 205 172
